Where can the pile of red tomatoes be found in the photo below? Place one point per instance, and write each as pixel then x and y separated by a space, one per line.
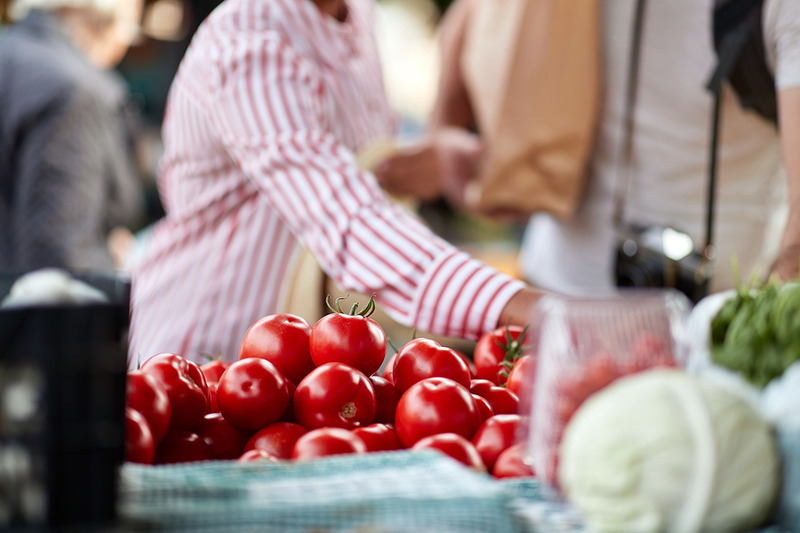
pixel 298 392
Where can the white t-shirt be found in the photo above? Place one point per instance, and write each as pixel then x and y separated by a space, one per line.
pixel 667 178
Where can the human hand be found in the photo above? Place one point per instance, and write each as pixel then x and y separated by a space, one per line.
pixel 460 156
pixel 440 164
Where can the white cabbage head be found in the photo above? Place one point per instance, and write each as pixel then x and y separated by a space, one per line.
pixel 665 451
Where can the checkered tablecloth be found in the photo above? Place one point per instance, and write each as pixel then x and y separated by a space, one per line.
pixel 389 492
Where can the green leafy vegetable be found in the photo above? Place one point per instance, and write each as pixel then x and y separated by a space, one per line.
pixel 757 332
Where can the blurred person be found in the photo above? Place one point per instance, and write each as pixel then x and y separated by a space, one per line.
pixel 67 172
pixel 270 108
pixel 757 205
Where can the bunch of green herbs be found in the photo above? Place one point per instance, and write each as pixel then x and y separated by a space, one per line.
pixel 757 332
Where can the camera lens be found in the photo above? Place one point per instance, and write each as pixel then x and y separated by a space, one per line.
pixel 632 276
pixel 635 269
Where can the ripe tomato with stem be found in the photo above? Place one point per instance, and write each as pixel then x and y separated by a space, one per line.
pixel 352 338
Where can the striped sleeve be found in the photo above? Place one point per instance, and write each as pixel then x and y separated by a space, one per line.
pixel 272 116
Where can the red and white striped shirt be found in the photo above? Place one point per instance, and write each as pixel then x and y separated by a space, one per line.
pixel 268 107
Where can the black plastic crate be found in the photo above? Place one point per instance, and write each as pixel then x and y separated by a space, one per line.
pixel 62 408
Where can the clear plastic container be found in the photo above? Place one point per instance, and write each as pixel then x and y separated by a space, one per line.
pixel 584 345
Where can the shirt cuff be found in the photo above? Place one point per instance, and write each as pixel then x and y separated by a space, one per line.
pixel 463 297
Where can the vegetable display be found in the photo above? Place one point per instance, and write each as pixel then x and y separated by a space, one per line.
pixel 298 392
pixel 602 407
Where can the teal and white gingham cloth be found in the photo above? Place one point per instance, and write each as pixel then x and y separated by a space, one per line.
pixel 389 492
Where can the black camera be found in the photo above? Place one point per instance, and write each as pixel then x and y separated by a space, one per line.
pixel 662 257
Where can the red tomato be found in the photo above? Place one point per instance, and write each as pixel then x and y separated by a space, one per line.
pixel 353 339
pixel 182 446
pixel 495 435
pixel 224 440
pixel 386 397
pixel 388 368
pixel 599 371
pixel 256 456
pixel 322 442
pixel 568 398
pixel 288 413
pixel 281 339
pixel 648 350
pixel 502 400
pixel 252 393
pixel 278 439
pixel 378 437
pixel 425 358
pixel 213 405
pixel 145 393
pixel 470 364
pixel 513 462
pixel 140 446
pixel 335 395
pixel 522 377
pixel 435 405
pixel 503 344
pixel 453 445
pixel 213 369
pixel 649 342
pixel 484 407
pixel 185 385
pixel 480 386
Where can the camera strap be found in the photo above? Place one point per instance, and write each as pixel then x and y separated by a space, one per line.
pixel 626 158
pixel 737 50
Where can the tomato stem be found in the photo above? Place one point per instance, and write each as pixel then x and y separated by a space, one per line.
pixel 366 312
pixel 210 357
pixel 369 308
pixel 338 308
pixel 391 344
pixel 512 348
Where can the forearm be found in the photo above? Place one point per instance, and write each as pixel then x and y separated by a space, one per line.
pixel 520 308
pixel 788 262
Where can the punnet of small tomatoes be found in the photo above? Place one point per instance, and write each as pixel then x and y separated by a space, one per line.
pixel 579 375
pixel 297 392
